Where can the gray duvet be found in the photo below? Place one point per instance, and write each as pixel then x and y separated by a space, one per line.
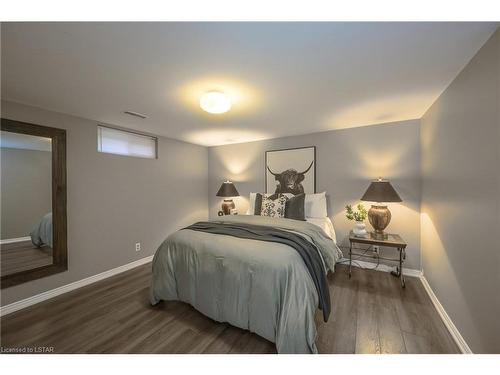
pixel 261 286
pixel 41 235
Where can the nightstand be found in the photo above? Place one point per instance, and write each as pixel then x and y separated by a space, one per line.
pixel 393 241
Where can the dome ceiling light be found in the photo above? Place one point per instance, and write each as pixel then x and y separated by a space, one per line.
pixel 215 102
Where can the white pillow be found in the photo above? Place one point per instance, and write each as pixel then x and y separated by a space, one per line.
pixel 315 205
pixel 251 205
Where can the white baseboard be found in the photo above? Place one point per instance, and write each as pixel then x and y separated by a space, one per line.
pixel 15 306
pixel 381 267
pixel 454 332
pixel 14 240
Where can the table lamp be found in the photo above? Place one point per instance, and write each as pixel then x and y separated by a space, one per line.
pixel 227 190
pixel 379 215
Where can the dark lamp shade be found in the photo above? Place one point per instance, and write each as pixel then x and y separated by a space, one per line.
pixel 227 189
pixel 381 191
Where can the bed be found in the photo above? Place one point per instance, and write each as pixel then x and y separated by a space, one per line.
pixel 264 287
pixel 41 235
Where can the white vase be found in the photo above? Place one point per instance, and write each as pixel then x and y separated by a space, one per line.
pixel 359 228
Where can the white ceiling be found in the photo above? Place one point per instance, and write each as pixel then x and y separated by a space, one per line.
pixel 284 78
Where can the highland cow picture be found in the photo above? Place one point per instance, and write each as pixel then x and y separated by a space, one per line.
pixel 291 171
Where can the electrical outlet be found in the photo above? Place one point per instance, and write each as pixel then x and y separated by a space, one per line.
pixel 138 246
pixel 376 249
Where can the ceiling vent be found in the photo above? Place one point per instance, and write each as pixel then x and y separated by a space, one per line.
pixel 135 114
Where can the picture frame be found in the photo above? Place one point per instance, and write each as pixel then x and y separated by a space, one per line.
pixel 291 170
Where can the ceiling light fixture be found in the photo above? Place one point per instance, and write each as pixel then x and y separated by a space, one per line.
pixel 215 102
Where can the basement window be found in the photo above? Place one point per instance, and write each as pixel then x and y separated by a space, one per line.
pixel 122 142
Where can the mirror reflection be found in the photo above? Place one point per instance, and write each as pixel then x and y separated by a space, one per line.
pixel 26 199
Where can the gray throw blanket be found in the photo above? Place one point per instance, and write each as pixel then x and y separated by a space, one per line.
pixel 307 250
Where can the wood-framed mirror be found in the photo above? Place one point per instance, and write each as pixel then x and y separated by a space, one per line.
pixel 33 240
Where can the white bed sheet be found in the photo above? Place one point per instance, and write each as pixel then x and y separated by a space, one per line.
pixel 324 223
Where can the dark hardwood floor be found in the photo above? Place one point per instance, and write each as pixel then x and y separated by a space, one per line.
pixel 370 314
pixel 21 256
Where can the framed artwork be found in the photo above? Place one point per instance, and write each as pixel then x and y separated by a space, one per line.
pixel 291 170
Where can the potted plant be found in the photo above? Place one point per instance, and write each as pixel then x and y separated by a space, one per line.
pixel 359 216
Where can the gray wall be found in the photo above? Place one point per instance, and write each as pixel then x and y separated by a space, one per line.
pixel 346 162
pixel 115 201
pixel 460 201
pixel 26 185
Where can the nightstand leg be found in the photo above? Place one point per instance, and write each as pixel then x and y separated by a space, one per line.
pixel 399 269
pixel 350 258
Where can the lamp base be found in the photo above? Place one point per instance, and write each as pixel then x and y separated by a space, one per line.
pixel 379 217
pixel 227 205
pixel 379 235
